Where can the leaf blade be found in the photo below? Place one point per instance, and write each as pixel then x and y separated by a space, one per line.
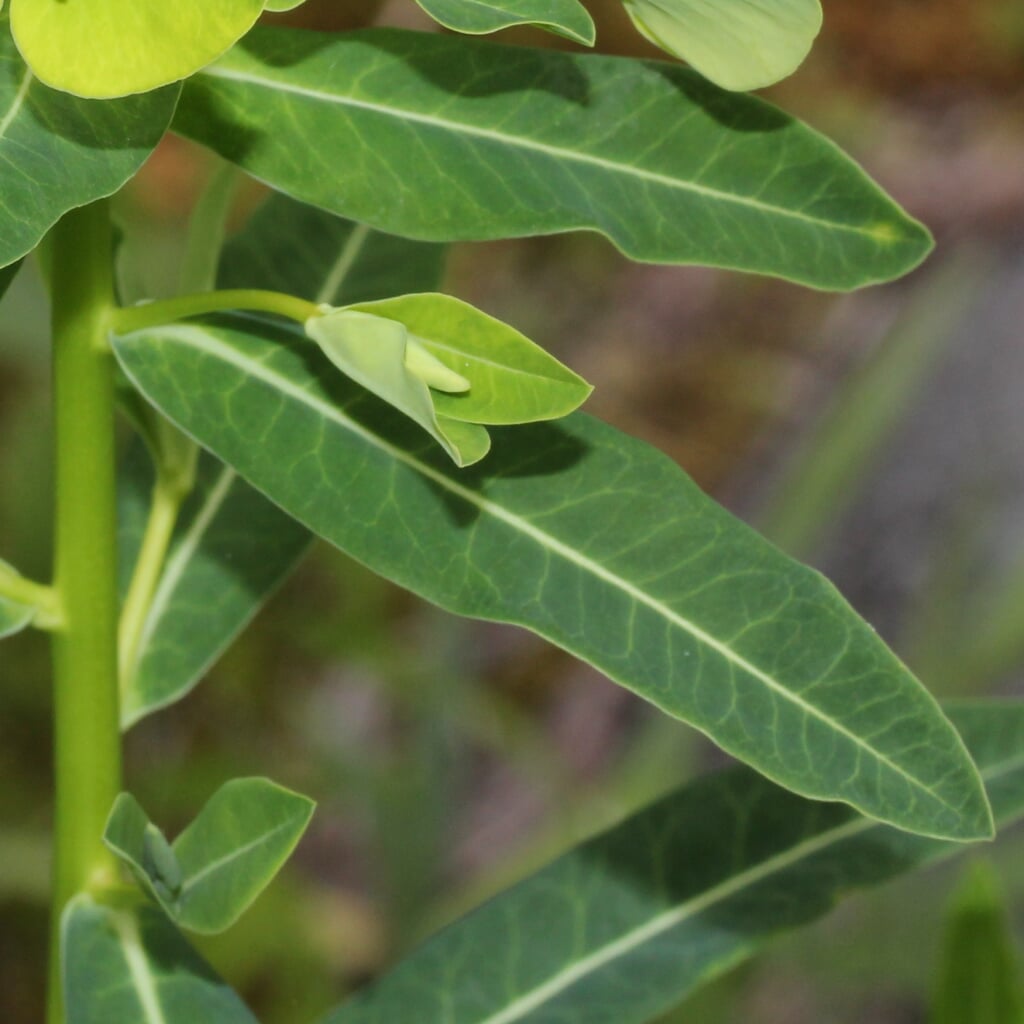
pixel 231 541
pixel 60 152
pixel 667 900
pixel 566 18
pixel 513 142
pixel 132 966
pixel 596 542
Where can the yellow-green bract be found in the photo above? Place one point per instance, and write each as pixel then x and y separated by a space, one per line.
pixel 448 366
pixel 110 48
pixel 737 44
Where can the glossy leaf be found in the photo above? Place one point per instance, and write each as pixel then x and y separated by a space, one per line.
pixel 59 152
pixel 979 978
pixel 595 541
pixel 627 924
pixel 512 379
pixel 232 547
pixel 563 17
pixel 14 616
pixel 213 871
pixel 443 138
pixel 738 44
pixel 132 966
pixel 119 47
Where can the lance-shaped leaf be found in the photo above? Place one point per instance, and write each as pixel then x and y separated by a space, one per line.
pixel 594 540
pixel 132 966
pixel 59 152
pixel 627 924
pixel 738 44
pixel 979 979
pixel 213 871
pixel 566 18
pixel 232 547
pixel 119 47
pixel 443 138
pixel 14 615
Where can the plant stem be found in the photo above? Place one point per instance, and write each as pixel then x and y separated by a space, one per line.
pixel 165 311
pixel 86 730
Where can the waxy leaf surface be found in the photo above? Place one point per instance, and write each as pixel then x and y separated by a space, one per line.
pixel 132 966
pixel 626 925
pixel 213 871
pixel 14 616
pixel 563 17
pixel 442 138
pixel 116 47
pixel 595 541
pixel 232 547
pixel 59 152
pixel 738 44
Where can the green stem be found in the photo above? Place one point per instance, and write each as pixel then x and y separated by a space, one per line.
pixel 163 514
pixel 86 729
pixel 14 587
pixel 165 311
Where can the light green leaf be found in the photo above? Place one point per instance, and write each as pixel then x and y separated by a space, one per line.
pixel 131 966
pixel 213 871
pixel 14 616
pixel 475 17
pixel 119 47
pixel 232 547
pixel 59 152
pixel 372 351
pixel 444 138
pixel 979 980
pixel 597 542
pixel 282 5
pixel 627 924
pixel 738 44
pixel 512 379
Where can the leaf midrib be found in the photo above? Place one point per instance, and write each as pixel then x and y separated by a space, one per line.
pixel 556 152
pixel 194 337
pixel 16 104
pixel 143 982
pixel 191 881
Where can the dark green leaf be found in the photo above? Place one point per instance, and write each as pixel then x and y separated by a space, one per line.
pixel 232 547
pixel 597 542
pixel 446 138
pixel 624 926
pixel 979 978
pixel 60 151
pixel 131 966
pixel 213 871
pixel 563 17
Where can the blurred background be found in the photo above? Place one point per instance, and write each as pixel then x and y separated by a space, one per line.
pixel 879 436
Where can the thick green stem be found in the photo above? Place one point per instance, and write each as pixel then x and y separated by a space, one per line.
pixel 166 311
pixel 86 731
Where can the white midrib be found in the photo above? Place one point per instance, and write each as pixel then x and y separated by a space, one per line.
pixel 138 967
pixel 16 103
pixel 195 338
pixel 350 251
pixel 520 142
pixel 677 915
pixel 191 881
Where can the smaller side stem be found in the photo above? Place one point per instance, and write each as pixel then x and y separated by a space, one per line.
pixel 163 514
pixel 15 587
pixel 165 311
